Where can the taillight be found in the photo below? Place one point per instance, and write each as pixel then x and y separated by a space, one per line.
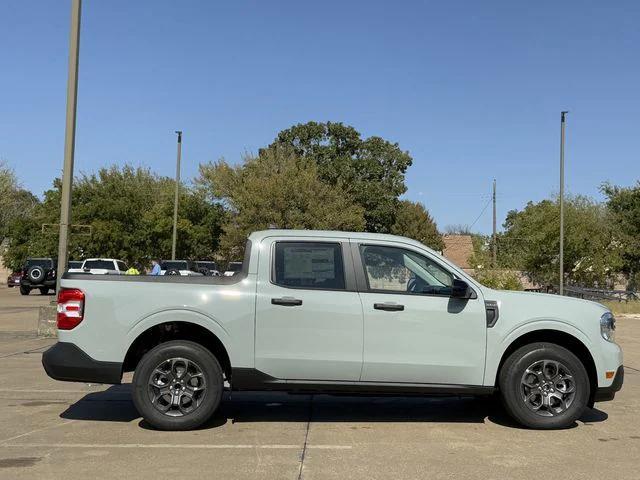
pixel 70 308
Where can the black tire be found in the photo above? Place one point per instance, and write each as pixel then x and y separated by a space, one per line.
pixel 24 290
pixel 173 271
pixel 43 290
pixel 182 349
pixel 511 381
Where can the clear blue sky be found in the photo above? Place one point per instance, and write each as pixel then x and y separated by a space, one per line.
pixel 472 89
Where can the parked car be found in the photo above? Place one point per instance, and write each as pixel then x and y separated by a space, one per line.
pixel 14 279
pixel 178 267
pixel 232 269
pixel 334 312
pixel 206 267
pixel 38 273
pixel 102 266
pixel 74 266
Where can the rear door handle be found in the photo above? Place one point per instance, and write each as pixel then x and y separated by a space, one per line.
pixel 286 301
pixel 389 307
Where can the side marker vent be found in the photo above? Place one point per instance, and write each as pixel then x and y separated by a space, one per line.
pixel 491 306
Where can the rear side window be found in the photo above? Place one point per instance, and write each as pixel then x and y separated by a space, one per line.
pixel 99 264
pixel 174 265
pixel 309 265
pixel 40 262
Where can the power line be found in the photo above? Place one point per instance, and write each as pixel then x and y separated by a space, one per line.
pixel 483 210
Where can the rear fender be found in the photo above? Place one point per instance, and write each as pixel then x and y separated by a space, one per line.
pixel 180 315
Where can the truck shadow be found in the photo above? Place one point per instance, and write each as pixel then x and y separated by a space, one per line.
pixel 115 405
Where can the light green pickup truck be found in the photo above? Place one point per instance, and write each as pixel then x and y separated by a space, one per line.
pixel 334 312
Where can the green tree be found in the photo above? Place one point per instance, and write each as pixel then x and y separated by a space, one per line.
pixel 276 188
pixel 498 279
pixel 531 242
pixel 130 214
pixel 624 207
pixel 371 170
pixel 414 221
pixel 15 202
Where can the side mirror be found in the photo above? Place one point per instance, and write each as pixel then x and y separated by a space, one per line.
pixel 461 289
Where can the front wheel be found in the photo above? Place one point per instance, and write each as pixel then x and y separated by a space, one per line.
pixel 544 386
pixel 177 385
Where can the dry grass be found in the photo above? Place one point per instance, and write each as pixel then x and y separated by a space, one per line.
pixel 618 308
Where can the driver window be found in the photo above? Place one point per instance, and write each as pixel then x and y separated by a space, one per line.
pixel 392 269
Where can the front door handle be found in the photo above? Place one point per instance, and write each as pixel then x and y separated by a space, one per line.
pixel 286 301
pixel 389 307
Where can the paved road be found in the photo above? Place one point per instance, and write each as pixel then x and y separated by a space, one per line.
pixel 55 430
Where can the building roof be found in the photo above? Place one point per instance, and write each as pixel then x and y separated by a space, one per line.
pixel 458 249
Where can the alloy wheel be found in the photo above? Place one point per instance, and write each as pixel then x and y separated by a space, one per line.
pixel 177 387
pixel 547 388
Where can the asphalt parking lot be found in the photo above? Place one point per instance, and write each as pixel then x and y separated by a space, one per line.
pixel 57 430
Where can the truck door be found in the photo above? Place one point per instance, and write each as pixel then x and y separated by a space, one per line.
pixel 414 331
pixel 309 319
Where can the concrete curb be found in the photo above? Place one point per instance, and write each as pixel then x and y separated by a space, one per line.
pixel 47 321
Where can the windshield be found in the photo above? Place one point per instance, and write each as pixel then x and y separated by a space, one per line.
pixel 41 262
pixel 99 264
pixel 174 265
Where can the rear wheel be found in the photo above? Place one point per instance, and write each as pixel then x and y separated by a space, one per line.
pixel 177 385
pixel 544 386
pixel 44 291
pixel 24 290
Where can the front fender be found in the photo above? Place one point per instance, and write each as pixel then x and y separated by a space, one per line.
pixel 498 343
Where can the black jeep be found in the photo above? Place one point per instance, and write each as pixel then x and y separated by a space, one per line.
pixel 38 273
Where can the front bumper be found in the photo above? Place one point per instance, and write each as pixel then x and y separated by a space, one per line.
pixel 604 394
pixel 67 362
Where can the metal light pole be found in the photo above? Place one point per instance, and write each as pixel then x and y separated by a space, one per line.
pixel 69 140
pixel 175 202
pixel 562 126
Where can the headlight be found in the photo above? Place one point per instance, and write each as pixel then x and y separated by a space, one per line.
pixel 608 327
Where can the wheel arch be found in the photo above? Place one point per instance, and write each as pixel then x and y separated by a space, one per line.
pixel 557 337
pixel 164 331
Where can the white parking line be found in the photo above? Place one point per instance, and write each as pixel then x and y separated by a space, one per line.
pixel 4 442
pixel 172 445
pixel 19 390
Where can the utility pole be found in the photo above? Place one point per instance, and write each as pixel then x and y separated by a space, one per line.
pixel 69 140
pixel 175 202
pixel 562 126
pixel 495 235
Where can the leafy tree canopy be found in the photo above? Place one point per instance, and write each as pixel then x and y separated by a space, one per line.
pixel 498 279
pixel 531 242
pixel 276 188
pixel 15 202
pixel 130 214
pixel 414 221
pixel 624 207
pixel 371 170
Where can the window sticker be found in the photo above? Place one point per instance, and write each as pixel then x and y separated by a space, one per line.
pixel 309 263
